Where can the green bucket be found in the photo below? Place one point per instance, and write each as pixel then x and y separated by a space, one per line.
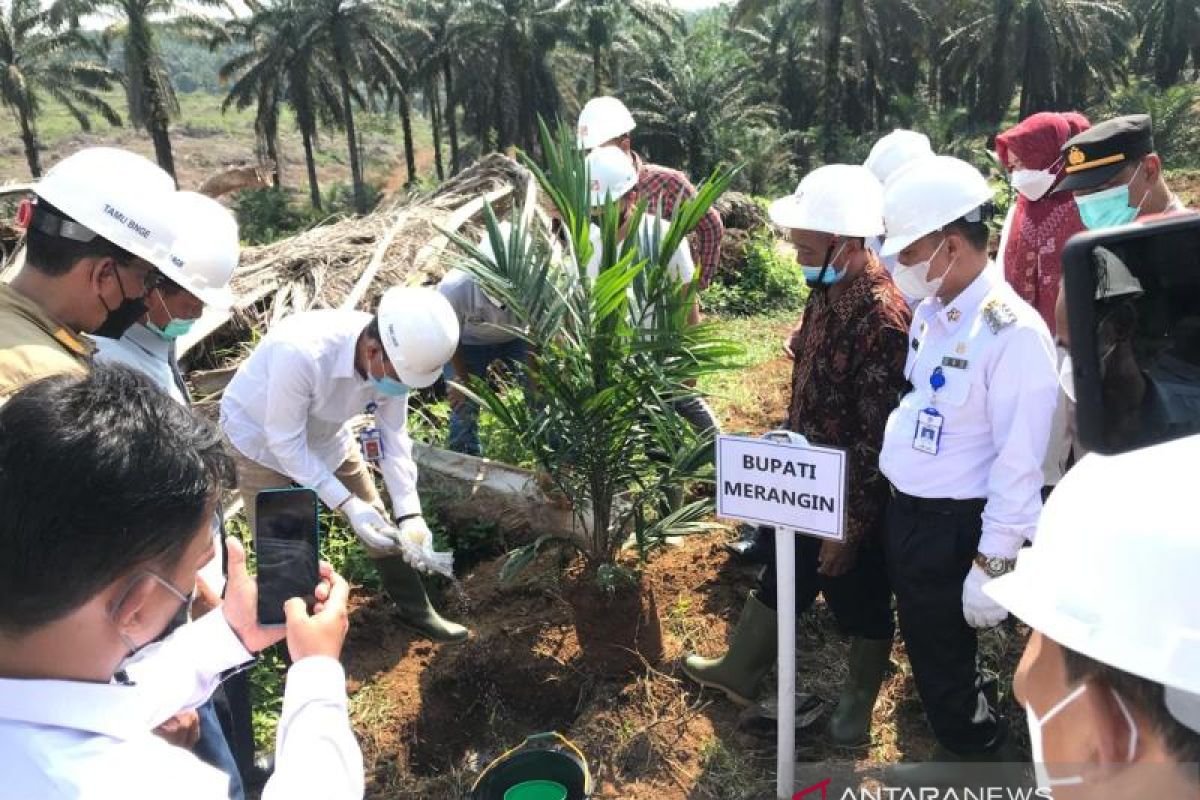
pixel 537 790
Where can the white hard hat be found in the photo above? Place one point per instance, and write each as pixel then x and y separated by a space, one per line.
pixel 419 331
pixel 1118 280
pixel 843 199
pixel 117 195
pixel 926 198
pixel 206 248
pixel 1112 573
pixel 612 173
pixel 602 120
pixel 895 151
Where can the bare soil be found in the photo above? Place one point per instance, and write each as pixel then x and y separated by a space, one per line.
pixel 430 717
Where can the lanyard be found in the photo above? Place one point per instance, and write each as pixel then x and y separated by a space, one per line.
pixel 937 379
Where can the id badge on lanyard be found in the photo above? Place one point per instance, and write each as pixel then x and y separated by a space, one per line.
pixel 370 440
pixel 927 438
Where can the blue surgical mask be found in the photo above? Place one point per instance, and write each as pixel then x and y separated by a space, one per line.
pixel 173 329
pixel 387 385
pixel 1109 208
pixel 813 276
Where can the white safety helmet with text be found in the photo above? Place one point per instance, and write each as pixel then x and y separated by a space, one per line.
pixel 205 250
pixel 114 194
pixel 602 120
pixel 928 197
pixel 895 152
pixel 1112 572
pixel 842 199
pixel 419 331
pixel 611 172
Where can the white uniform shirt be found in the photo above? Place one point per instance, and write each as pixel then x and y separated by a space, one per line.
pixel 148 353
pixel 1000 394
pixel 71 739
pixel 479 319
pixel 289 405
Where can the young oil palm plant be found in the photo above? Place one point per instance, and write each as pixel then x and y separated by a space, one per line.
pixel 36 60
pixel 614 354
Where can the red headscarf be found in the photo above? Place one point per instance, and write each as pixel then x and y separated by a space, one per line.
pixel 1040 228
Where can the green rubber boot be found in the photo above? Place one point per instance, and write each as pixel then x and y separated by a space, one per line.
pixel 403 585
pixel 850 723
pixel 751 653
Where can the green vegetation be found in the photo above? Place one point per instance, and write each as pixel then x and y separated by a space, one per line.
pixel 769 279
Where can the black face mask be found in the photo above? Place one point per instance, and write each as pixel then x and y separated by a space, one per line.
pixel 121 318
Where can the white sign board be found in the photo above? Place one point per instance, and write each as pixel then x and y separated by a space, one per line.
pixel 796 486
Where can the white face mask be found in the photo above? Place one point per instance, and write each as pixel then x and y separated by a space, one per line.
pixel 913 281
pixel 1033 183
pixel 1037 747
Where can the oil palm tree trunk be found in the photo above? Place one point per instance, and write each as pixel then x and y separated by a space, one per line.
pixel 595 70
pixel 435 121
pixel 29 140
pixel 314 188
pixel 451 116
pixel 832 95
pixel 410 156
pixel 341 52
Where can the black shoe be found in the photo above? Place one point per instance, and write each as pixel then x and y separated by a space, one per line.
pixel 753 544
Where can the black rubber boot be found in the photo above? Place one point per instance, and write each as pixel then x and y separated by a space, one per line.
pixel 404 586
pixel 850 723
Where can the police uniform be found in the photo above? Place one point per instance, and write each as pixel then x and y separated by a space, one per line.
pixel 33 345
pixel 963 452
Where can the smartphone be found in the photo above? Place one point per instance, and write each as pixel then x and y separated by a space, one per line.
pixel 287 544
pixel 1133 312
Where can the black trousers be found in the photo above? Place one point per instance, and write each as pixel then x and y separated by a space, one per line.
pixel 860 599
pixel 930 545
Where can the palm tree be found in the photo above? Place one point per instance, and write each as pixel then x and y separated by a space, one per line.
pixel 148 90
pixel 442 56
pixel 280 65
pixel 1169 34
pixel 359 38
pixel 603 23
pixel 1038 44
pixel 37 60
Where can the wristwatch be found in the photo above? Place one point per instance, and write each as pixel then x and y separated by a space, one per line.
pixel 995 566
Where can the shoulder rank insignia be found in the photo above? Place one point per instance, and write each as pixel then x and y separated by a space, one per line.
pixel 998 315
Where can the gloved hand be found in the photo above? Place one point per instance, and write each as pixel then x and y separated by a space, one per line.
pixel 416 541
pixel 979 610
pixel 416 531
pixel 372 528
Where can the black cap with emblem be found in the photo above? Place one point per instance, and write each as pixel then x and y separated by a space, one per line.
pixel 1093 157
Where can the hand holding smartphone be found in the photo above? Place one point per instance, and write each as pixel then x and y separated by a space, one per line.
pixel 287 544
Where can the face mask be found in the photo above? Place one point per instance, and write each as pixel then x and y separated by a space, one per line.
pixel 824 276
pixel 1033 183
pixel 130 645
pixel 387 385
pixel 1037 747
pixel 913 281
pixel 1111 207
pixel 121 318
pixel 175 328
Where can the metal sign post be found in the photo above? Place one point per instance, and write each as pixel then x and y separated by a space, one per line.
pixel 782 480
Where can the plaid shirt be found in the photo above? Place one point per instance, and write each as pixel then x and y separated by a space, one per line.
pixel 662 184
pixel 848 377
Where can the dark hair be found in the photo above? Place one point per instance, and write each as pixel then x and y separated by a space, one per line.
pixel 98 474
pixel 976 233
pixel 55 255
pixel 1181 742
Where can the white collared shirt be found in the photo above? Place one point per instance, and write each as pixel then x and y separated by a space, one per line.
pixel 1001 390
pixel 145 351
pixel 289 405
pixel 73 740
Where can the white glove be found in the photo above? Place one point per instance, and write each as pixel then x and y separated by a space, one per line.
pixel 979 610
pixel 416 542
pixel 371 527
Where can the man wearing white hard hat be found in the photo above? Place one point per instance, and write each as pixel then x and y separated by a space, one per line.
pixel 890 156
pixel 287 416
pixel 204 254
pixel 614 177
pixel 97 236
pixel 606 122
pixel 964 449
pixel 1110 679
pixel 849 369
pixel 487 339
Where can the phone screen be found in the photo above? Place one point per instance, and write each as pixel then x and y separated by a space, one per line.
pixel 286 543
pixel 1134 313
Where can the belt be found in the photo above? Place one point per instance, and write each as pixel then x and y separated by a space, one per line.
pixel 939 505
